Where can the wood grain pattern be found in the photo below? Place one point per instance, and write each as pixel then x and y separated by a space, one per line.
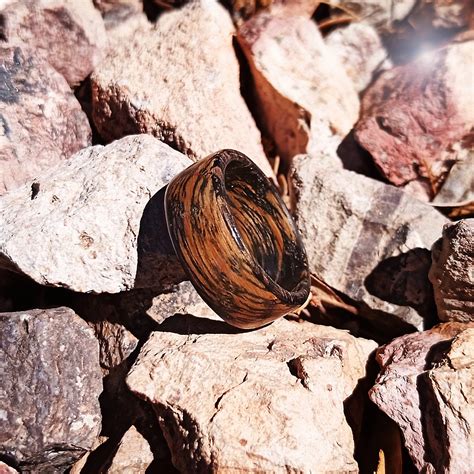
pixel 236 240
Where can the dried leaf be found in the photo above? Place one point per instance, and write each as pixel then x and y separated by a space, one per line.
pixel 324 296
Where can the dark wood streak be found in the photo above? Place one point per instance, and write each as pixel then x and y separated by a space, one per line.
pixel 237 240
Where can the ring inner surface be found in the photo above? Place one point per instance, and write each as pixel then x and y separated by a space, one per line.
pixel 264 224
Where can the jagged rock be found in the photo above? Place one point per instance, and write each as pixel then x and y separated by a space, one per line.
pixel 360 49
pixel 51 382
pixel 116 343
pixel 41 122
pixel 302 107
pixel 452 270
pixel 273 398
pixel 133 454
pixel 368 240
pixel 425 385
pixel 179 81
pixel 68 34
pixel 182 299
pixel 96 223
pixel 459 185
pixel 414 116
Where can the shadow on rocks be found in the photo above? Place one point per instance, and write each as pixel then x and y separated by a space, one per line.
pixel 403 280
pixel 158 265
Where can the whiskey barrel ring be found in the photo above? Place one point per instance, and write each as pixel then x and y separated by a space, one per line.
pixel 237 240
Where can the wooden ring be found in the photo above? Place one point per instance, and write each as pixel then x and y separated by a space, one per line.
pixel 236 240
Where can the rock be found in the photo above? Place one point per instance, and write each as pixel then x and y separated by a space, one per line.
pixel 116 343
pixel 458 187
pixel 429 14
pixel 270 400
pixel 414 115
pixel 359 48
pixel 182 299
pixel 41 122
pixel 302 107
pixel 78 467
pixel 106 203
pixel 160 70
pixel 6 469
pixel 382 14
pixel 369 241
pixel 133 454
pixel 452 272
pixel 51 384
pixel 68 34
pixel 425 385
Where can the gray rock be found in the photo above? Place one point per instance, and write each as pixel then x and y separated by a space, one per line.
pixel 425 386
pixel 368 240
pixel 68 34
pixel 41 122
pixel 270 400
pixel 96 223
pixel 116 343
pixel 452 272
pixel 458 188
pixel 179 81
pixel 51 382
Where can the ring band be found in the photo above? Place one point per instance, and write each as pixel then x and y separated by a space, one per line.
pixel 236 240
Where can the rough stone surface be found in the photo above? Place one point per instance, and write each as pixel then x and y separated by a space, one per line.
pixel 414 115
pixel 441 14
pixel 182 299
pixel 425 385
pixel 273 400
pixel 302 107
pixel 452 272
pixel 41 122
pixel 360 50
pixel 51 382
pixel 459 185
pixel 160 70
pixel 116 343
pixel 133 454
pixel 368 240
pixel 68 34
pixel 118 8
pixel 97 222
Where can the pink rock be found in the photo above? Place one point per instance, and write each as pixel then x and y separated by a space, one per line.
pixel 425 386
pixel 69 34
pixel 41 122
pixel 414 115
pixel 301 104
pixel 269 400
pixel 179 81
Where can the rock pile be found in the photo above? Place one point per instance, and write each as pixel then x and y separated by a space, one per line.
pixel 362 115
